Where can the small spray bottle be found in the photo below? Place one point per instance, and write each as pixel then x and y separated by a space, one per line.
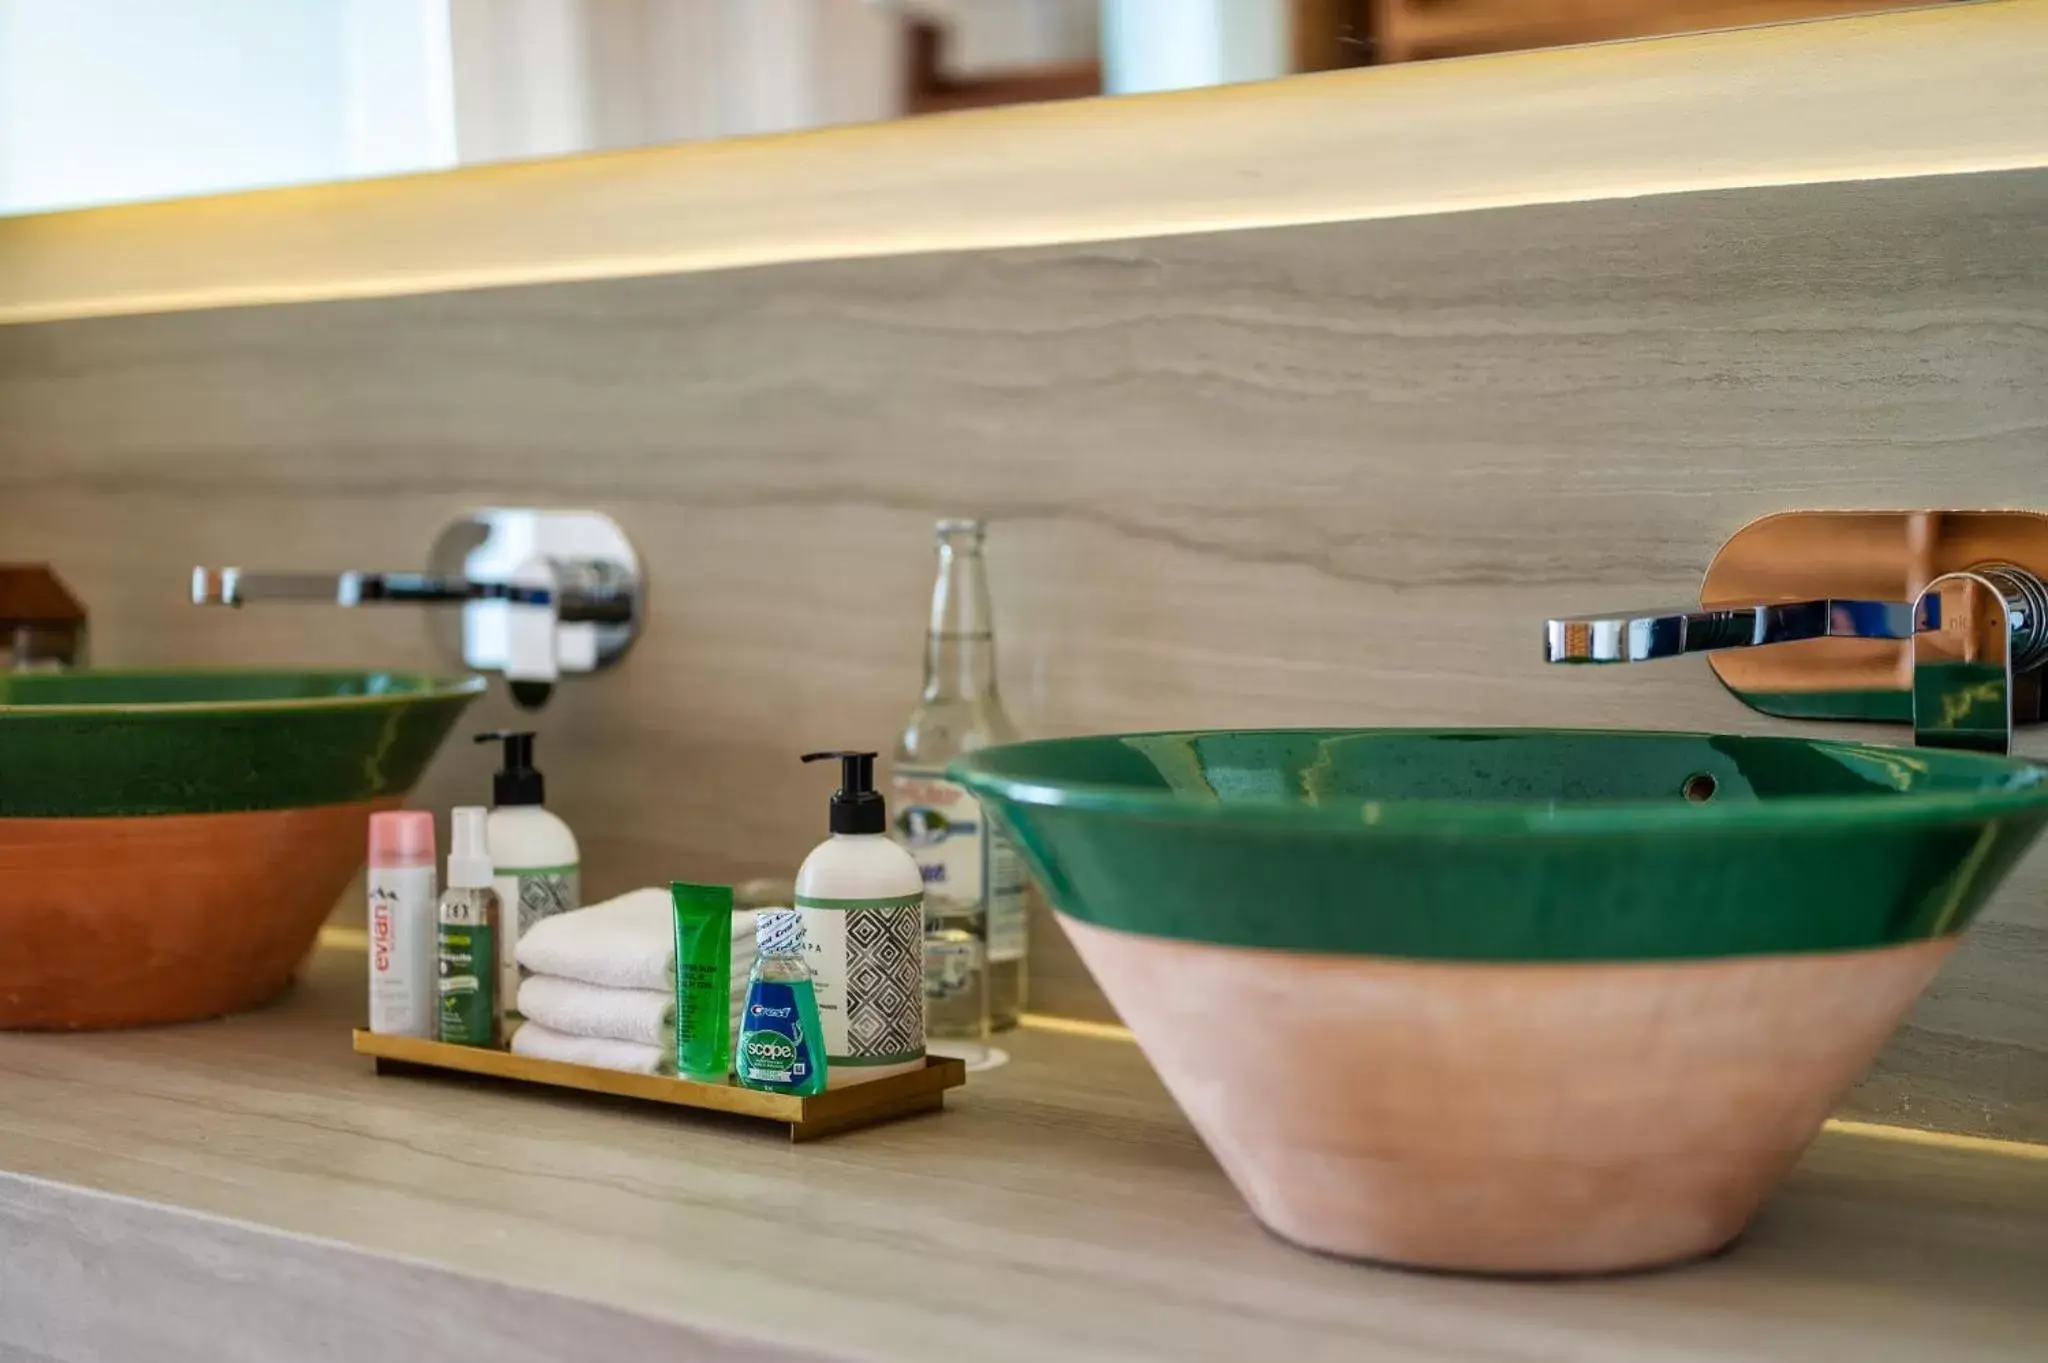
pixel 467 937
pixel 781 1041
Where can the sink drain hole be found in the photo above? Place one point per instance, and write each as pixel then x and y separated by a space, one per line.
pixel 1699 788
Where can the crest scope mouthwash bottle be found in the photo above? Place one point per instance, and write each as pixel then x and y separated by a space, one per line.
pixel 781 1040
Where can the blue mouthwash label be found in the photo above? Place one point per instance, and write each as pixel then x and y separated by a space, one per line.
pixel 773 1048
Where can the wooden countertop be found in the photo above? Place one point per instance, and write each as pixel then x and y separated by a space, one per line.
pixel 1946 90
pixel 1061 1208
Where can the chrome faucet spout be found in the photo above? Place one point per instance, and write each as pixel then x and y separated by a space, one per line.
pixel 1645 635
pixel 236 587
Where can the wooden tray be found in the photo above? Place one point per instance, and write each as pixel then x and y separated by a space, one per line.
pixel 827 1114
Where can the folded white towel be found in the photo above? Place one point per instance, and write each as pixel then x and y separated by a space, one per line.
pixel 623 943
pixel 647 1016
pixel 544 1043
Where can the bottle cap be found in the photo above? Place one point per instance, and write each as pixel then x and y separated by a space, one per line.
pixel 469 851
pixel 857 807
pixel 518 781
pixel 778 931
pixel 402 837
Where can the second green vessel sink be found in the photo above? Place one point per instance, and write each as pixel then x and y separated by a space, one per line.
pixel 1514 845
pixel 1509 1000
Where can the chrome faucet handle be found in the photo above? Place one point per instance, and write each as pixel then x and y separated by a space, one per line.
pixel 541 594
pixel 1645 635
pixel 1976 634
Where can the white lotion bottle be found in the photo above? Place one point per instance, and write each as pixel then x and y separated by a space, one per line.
pixel 537 866
pixel 861 899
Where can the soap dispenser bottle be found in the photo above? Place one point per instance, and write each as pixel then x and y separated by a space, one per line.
pixel 537 863
pixel 860 898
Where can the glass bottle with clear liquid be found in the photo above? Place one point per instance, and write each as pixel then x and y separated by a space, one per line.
pixel 975 888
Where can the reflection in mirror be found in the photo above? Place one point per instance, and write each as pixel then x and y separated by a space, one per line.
pixel 109 101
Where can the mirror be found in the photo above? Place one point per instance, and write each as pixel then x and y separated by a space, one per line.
pixel 112 101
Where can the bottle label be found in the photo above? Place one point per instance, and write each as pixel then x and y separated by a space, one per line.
pixel 527 894
pixel 867 969
pixel 950 965
pixel 403 950
pixel 773 1048
pixel 963 856
pixel 1006 902
pixel 468 986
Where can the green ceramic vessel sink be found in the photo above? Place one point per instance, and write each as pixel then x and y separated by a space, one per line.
pixel 171 841
pixel 95 744
pixel 1513 845
pixel 1520 1001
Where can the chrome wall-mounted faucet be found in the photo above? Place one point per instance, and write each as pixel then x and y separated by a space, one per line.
pixel 543 594
pixel 1974 637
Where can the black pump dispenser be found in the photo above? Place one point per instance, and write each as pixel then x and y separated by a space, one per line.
pixel 857 807
pixel 517 783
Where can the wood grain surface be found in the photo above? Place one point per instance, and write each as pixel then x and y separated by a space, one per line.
pixel 95 1278
pixel 1059 1208
pixel 1334 474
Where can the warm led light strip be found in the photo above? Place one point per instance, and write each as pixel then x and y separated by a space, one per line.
pixel 1777 105
pixel 355 939
pixel 1059 1026
pixel 1913 1135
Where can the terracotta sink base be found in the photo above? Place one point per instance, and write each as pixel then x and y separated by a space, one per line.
pixel 122 922
pixel 1528 1119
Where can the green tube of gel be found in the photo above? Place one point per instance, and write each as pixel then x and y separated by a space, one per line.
pixel 703 981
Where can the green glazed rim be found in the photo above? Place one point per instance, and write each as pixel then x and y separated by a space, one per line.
pixel 116 744
pixel 2012 785
pixel 380 688
pixel 1564 845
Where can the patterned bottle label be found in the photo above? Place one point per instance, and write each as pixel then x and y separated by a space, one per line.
pixel 963 857
pixel 867 966
pixel 773 1048
pixel 529 894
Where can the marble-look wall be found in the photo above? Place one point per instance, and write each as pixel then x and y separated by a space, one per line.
pixel 1328 474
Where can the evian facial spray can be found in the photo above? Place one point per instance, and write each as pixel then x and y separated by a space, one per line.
pixel 403 954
